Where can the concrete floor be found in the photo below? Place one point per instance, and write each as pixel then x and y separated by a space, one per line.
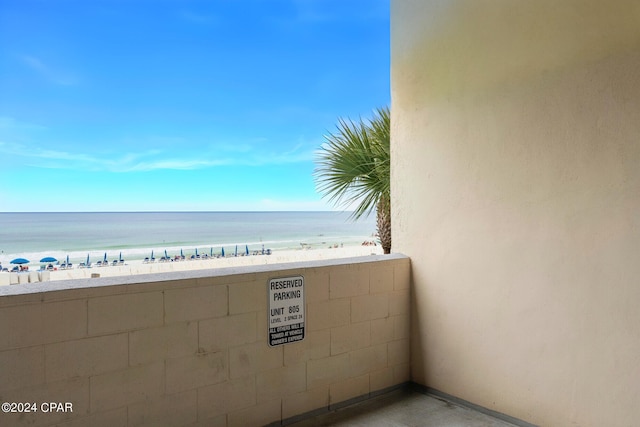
pixel 403 408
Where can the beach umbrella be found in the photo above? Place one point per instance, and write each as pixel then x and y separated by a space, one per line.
pixel 67 259
pixel 165 254
pixel 222 253
pixel 211 252
pixel 20 261
pixel 263 249
pixel 246 249
pixel 236 253
pixel 105 257
pixel 181 254
pixel 48 259
pixel 196 251
pixel 87 263
pixel 120 256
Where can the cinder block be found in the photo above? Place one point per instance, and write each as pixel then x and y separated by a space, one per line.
pixel 401 373
pixel 219 421
pixel 381 278
pixel 165 342
pixel 328 314
pixel 381 379
pixel 401 327
pixel 113 418
pixel 125 312
pixel 86 357
pixel 191 372
pixel 316 345
pixel 366 360
pixel 173 410
pixel 382 330
pixel 398 352
pixel 368 307
pixel 64 320
pixel 255 416
pixel 220 334
pixel 306 401
pixel 225 397
pixel 281 382
pixel 252 358
pixel 21 368
pixel 136 384
pixel 262 320
pixel 348 281
pixel 350 337
pixel 75 391
pixel 42 323
pixel 316 282
pixel 203 302
pixel 399 302
pixel 402 275
pixel 247 297
pixel 327 371
pixel 348 389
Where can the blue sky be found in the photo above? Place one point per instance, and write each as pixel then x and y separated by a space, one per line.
pixel 114 105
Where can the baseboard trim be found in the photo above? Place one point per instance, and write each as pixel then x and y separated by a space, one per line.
pixel 461 402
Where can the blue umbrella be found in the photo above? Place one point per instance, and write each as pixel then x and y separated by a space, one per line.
pixel 236 253
pixel 196 251
pixel 120 256
pixel 152 254
pixel 20 261
pixel 246 249
pixel 181 254
pixel 222 253
pixel 211 252
pixel 165 254
pixel 105 257
pixel 67 259
pixel 87 263
pixel 48 259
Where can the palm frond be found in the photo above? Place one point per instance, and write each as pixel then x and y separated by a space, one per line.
pixel 353 166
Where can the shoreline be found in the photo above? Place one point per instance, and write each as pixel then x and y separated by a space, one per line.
pixel 136 267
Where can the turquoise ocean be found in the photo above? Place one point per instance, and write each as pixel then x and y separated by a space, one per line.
pixel 135 234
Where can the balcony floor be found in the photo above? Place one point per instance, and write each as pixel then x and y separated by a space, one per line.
pixel 404 408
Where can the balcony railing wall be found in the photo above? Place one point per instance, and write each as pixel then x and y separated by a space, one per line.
pixel 185 348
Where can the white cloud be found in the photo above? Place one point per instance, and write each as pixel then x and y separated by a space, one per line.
pixel 49 73
pixel 197 18
pixel 10 123
pixel 154 159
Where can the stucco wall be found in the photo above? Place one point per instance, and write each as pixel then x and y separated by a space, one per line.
pixel 516 193
pixel 191 348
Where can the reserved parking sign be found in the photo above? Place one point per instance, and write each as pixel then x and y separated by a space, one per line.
pixel 286 310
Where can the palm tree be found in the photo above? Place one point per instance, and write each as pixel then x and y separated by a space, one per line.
pixel 353 166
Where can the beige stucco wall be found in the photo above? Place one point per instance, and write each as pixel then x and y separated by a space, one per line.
pixel 516 193
pixel 191 348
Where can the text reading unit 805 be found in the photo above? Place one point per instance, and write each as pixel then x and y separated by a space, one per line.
pixel 286 310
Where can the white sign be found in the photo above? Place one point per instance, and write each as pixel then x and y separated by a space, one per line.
pixel 286 310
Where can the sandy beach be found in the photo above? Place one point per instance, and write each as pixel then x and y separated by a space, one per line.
pixel 138 267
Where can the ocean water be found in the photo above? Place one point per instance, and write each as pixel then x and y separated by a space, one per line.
pixel 135 234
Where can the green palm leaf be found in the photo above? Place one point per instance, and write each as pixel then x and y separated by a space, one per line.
pixel 353 166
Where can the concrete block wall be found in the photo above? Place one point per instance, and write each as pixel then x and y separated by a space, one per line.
pixel 191 348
